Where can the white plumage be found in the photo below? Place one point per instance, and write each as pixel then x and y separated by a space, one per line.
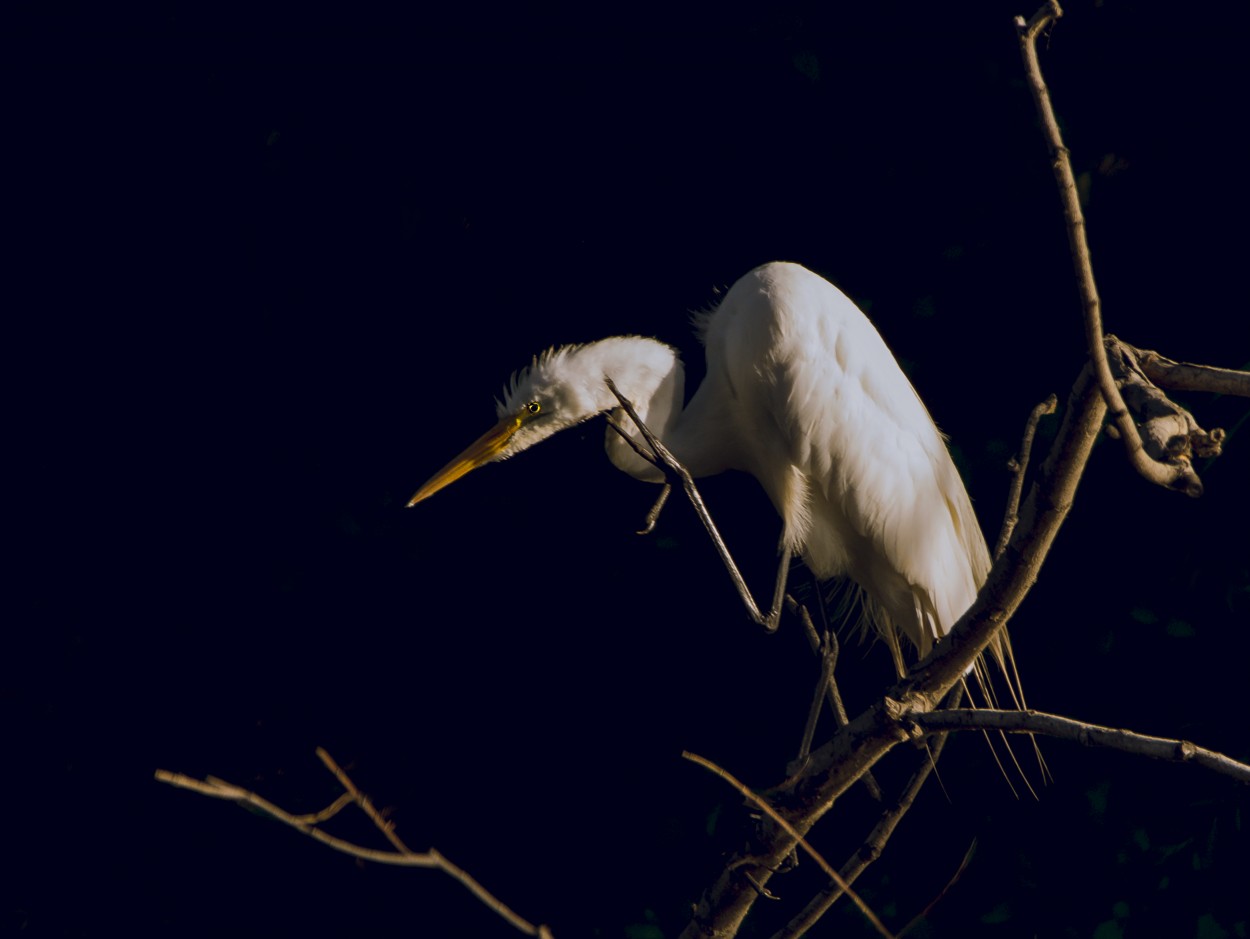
pixel 802 393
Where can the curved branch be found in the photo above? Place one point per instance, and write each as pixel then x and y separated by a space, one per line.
pixel 1017 466
pixel 1178 473
pixel 1088 735
pixel 866 738
pixel 1169 432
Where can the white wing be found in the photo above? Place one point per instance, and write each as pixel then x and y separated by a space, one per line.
pixel 832 428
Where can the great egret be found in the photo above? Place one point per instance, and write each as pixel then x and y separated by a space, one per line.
pixel 802 393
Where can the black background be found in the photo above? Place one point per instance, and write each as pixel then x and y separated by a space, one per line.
pixel 269 269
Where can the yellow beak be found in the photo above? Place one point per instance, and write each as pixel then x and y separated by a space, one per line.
pixel 477 453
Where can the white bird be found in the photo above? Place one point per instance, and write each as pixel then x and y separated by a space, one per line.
pixel 802 393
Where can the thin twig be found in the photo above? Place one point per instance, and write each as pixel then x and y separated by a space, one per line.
pixel 874 844
pixel 402 857
pixel 1178 474
pixel 316 818
pixel 799 840
pixel 366 805
pixel 1017 466
pixel 1089 735
pixel 220 789
pixel 932 904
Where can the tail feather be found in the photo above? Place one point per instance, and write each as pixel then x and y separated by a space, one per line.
pixel 856 608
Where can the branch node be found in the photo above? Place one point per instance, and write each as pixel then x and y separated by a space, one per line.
pixel 759 888
pixel 893 709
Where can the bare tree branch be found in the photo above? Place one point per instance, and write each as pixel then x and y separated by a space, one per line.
pixel 1017 466
pixel 857 746
pixel 1184 376
pixel 799 840
pixel 1089 735
pixel 871 849
pixel 402 856
pixel 1174 474
pixel 906 712
pixel 863 741
pixel 1169 431
pixel 870 735
pixel 363 801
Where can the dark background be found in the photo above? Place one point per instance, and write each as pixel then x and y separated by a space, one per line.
pixel 268 270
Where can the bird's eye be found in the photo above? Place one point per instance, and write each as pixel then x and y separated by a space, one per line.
pixel 533 407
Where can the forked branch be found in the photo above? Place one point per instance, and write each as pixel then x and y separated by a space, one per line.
pixel 308 825
pixel 1176 472
pixel 776 819
pixel 869 851
pixel 867 737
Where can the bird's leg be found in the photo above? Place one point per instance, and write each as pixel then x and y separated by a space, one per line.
pixel 669 465
pixel 654 515
pixel 779 589
pixel 828 659
pixel 824 685
pixel 826 646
